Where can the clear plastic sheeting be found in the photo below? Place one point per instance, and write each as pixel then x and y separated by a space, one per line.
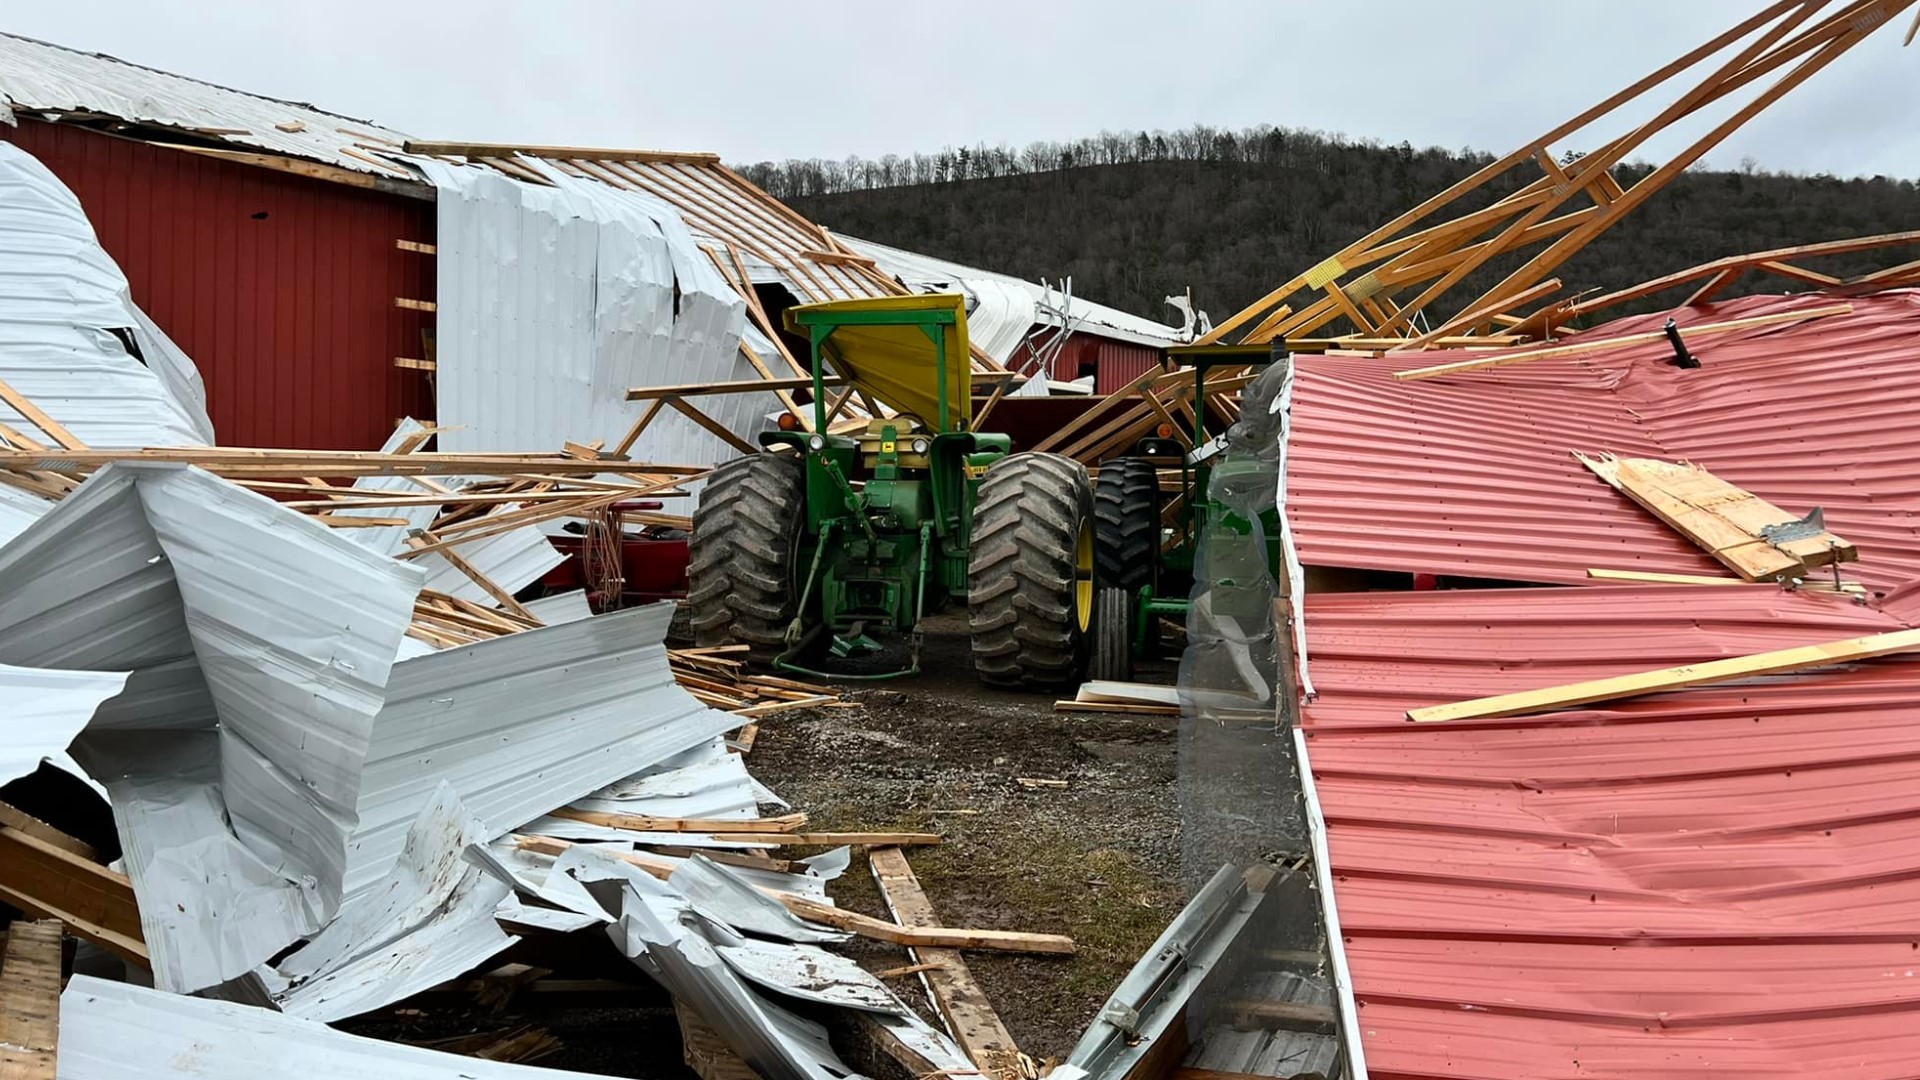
pixel 1246 965
pixel 1235 798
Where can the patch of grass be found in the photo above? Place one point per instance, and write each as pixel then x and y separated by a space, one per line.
pixel 1051 881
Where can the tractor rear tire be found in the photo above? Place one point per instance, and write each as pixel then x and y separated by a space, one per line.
pixel 1030 573
pixel 1112 636
pixel 1126 531
pixel 742 560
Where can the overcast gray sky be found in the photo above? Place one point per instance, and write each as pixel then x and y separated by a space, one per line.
pixel 756 79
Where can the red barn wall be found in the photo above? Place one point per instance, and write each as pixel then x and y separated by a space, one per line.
pixel 280 287
pixel 1113 364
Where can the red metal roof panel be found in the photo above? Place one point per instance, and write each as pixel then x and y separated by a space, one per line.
pixel 1473 474
pixel 1718 881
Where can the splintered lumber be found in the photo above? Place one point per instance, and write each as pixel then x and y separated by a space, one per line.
pixel 49 881
pixel 1578 347
pixel 705 1052
pixel 786 823
pixel 30 1001
pixel 962 1005
pixel 1729 523
pixel 1673 678
pixel 866 926
pixel 1661 579
pixel 256 461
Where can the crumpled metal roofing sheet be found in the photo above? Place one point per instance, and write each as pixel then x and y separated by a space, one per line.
pixel 522 724
pixel 1007 301
pixel 44 710
pixel 1716 881
pixel 555 301
pixel 118 1031
pixel 60 294
pixel 1472 474
pixel 36 76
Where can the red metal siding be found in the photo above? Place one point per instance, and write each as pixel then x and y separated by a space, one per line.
pixel 280 287
pixel 1715 882
pixel 1473 475
pixel 1113 364
pixel 1117 363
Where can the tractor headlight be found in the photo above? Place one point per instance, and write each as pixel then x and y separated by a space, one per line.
pixel 920 446
pixel 816 442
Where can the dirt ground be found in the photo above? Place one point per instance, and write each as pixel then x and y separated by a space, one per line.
pixel 1098 860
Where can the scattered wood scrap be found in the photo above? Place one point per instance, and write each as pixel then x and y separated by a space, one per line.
pixel 1141 699
pixel 1504 358
pixel 1751 536
pixel 1674 678
pixel 30 1000
pixel 705 1052
pixel 950 985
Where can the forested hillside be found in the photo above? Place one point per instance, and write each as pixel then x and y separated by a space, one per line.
pixel 1134 217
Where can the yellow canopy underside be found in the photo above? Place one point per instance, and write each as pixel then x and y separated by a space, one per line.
pixel 894 363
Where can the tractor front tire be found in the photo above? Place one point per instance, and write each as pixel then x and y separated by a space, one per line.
pixel 744 555
pixel 1030 573
pixel 1126 529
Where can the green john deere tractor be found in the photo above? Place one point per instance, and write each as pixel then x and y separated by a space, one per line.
pixel 1146 549
pixel 815 551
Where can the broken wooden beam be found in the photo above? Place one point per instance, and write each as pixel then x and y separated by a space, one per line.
pixel 1579 347
pixel 947 937
pixel 49 881
pixel 1747 534
pixel 962 1005
pixel 786 823
pixel 1673 678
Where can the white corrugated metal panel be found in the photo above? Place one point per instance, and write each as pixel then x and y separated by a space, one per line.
pixel 708 781
pixel 60 294
pixel 522 724
pixel 44 710
pixel 223 604
pixel 115 1031
pixel 429 920
pixel 553 302
pixel 926 273
pixel 569 606
pixel 38 76
pixel 89 588
pixel 296 628
pixel 210 907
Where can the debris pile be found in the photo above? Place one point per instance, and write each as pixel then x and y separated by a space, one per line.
pixel 349 759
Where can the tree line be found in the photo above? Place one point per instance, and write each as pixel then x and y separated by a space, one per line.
pixel 1136 216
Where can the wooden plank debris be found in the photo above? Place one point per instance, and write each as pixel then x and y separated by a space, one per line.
pixel 1687 333
pixel 787 823
pixel 1777 662
pixel 962 1005
pixel 30 1001
pixel 47 880
pixel 1139 699
pixel 1729 523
